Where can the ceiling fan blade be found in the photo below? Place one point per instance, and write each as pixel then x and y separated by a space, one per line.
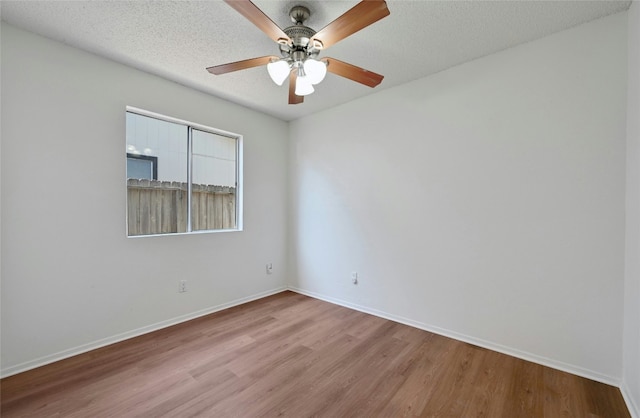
pixel 360 75
pixel 293 97
pixel 240 65
pixel 360 16
pixel 261 20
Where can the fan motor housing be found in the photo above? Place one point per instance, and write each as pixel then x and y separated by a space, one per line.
pixel 300 34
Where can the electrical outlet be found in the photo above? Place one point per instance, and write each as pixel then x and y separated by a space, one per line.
pixel 269 268
pixel 354 277
pixel 182 286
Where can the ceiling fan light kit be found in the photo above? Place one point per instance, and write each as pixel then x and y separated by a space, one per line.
pixel 300 46
pixel 279 71
pixel 303 84
pixel 315 70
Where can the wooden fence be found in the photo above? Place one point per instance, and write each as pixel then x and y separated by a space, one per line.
pixel 160 207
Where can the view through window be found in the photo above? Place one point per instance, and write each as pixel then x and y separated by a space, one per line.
pixel 181 177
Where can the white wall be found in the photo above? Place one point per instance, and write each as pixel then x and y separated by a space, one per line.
pixel 70 277
pixel 485 202
pixel 631 353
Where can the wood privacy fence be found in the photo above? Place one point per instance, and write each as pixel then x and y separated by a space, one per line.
pixel 160 207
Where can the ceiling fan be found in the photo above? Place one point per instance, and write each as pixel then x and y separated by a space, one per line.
pixel 300 46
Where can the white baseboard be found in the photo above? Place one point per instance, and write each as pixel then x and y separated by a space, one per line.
pixel 61 355
pixel 569 368
pixel 634 410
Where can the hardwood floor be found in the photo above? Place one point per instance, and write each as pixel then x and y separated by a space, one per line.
pixel 290 355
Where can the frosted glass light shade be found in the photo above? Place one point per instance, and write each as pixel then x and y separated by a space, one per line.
pixel 278 71
pixel 303 86
pixel 315 70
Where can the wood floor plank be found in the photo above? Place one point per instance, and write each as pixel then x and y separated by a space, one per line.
pixel 307 384
pixel 422 368
pixel 464 363
pixel 560 400
pixel 491 388
pixel 348 384
pixel 294 356
pixel 525 389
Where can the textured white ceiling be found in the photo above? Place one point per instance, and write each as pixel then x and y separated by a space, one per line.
pixel 179 39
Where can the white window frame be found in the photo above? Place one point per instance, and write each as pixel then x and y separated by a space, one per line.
pixel 239 171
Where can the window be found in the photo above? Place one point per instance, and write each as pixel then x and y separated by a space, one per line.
pixel 181 177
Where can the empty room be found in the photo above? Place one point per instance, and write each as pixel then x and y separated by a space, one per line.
pixel 320 208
